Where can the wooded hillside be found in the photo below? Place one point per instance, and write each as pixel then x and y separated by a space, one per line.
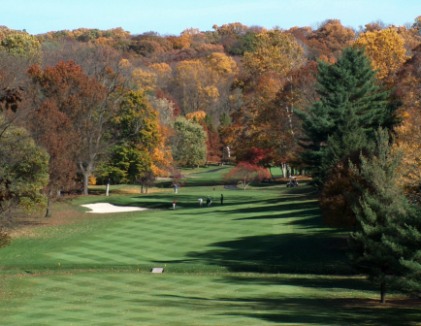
pixel 111 106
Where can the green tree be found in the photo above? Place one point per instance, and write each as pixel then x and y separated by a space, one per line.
pixel 136 121
pixel 409 233
pixel 351 106
pixel 136 129
pixel 377 246
pixel 189 146
pixel 23 172
pixel 128 164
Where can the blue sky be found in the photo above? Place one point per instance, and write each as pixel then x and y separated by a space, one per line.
pixel 174 16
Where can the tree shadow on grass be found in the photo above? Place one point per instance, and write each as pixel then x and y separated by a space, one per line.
pixel 304 213
pixel 303 311
pixel 316 253
pixel 344 282
pixel 183 201
pixel 280 206
pixel 336 311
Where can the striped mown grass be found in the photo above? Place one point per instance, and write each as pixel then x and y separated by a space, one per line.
pixel 264 230
pixel 130 298
pixel 261 258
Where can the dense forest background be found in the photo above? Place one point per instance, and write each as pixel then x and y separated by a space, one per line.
pixel 88 105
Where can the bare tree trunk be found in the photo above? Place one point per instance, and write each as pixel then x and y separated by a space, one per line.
pixel 383 292
pixel 284 169
pixel 107 189
pixel 85 182
pixel 86 170
pixel 47 209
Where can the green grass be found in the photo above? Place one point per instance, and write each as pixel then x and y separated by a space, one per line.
pixel 262 258
pixel 128 298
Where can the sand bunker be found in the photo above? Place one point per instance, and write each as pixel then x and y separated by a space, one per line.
pixel 102 208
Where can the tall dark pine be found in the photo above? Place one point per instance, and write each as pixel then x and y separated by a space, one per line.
pixel 351 106
pixel 377 246
pixel 409 233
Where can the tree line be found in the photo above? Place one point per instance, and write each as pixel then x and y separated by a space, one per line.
pixel 85 106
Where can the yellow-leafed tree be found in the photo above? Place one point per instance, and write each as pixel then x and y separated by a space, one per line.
pixel 386 50
pixel 197 115
pixel 274 51
pixel 409 132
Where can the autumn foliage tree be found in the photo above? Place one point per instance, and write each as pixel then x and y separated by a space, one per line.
pixel 21 44
pixel 327 42
pixel 274 56
pixel 409 131
pixel 75 106
pixel 246 173
pixel 248 81
pixel 273 51
pixel 236 38
pixel 385 49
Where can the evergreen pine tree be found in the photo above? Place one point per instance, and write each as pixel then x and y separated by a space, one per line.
pixel 351 106
pixel 377 246
pixel 409 233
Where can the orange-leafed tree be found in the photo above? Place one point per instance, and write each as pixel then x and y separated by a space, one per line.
pixel 162 160
pixel 409 143
pixel 198 116
pixel 278 126
pixel 275 54
pixel 327 42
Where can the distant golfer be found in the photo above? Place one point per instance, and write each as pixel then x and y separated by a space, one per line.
pixel 200 202
pixel 208 201
pixel 173 204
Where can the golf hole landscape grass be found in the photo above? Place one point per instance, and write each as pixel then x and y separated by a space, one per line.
pixel 262 258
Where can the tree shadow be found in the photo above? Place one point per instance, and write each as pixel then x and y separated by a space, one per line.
pixel 316 253
pixel 280 206
pixel 303 311
pixel 344 282
pixel 335 311
pixel 184 201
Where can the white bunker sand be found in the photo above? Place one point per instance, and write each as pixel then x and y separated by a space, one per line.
pixel 102 208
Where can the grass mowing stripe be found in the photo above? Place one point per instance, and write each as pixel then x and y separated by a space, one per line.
pixel 177 299
pixel 96 272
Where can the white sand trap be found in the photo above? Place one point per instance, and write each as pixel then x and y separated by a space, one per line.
pixel 102 208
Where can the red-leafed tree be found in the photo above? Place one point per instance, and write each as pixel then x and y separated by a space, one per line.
pixel 257 156
pixel 245 173
pixel 69 118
